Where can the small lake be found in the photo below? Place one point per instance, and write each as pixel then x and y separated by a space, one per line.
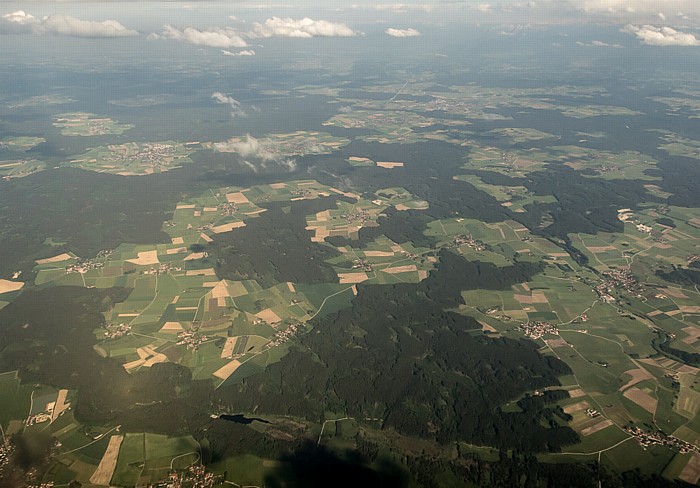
pixel 242 419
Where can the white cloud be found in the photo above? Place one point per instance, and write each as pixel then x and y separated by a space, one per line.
pixel 70 26
pixel 402 32
pixel 20 17
pixel 302 28
pixel 249 147
pixel 598 44
pixel 247 52
pixel 661 36
pixel 236 109
pixel 66 25
pixel 216 37
pixel 402 7
pixel 484 7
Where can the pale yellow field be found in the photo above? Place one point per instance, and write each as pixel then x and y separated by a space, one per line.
pixel 105 470
pixel 269 316
pixel 401 269
pixel 202 272
pixel 61 404
pixel 145 258
pixel 576 407
pixel 227 351
pixel 220 290
pixel 227 370
pixel 219 229
pixel 389 164
pixel 237 197
pixel 55 259
pixel 596 428
pixel 171 327
pixel 7 286
pixel 637 376
pixel 352 277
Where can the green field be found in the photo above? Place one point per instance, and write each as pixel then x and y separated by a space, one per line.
pixel 85 124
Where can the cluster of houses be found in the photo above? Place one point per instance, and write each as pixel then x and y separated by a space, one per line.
pixel 190 339
pixel 647 439
pixel 468 240
pixel 283 336
pixel 121 331
pixel 193 476
pixel 623 278
pixel 535 330
pixel 360 216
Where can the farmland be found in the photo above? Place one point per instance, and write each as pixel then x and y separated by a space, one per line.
pixel 84 124
pixel 134 158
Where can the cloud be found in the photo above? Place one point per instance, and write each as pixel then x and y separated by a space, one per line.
pixel 401 7
pixel 236 109
pixel 661 36
pixel 215 37
pixel 70 26
pixel 20 17
pixel 402 32
pixel 598 44
pixel 301 28
pixel 248 147
pixel 247 52
pixel 484 7
pixel 65 25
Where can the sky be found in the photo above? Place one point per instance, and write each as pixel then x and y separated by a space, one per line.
pixel 236 26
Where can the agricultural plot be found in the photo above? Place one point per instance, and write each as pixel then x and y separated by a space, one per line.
pixel 392 126
pixel 383 261
pixel 147 458
pixel 179 311
pixel 348 218
pixel 516 198
pixel 680 105
pixel 19 168
pixel 274 146
pixel 85 124
pixel 514 163
pixel 135 158
pixel 360 161
pixel 500 243
pixel 680 146
pixel 41 101
pixel 15 401
pixel 654 238
pixel 478 102
pixel 626 165
pixel 20 143
pixel 518 135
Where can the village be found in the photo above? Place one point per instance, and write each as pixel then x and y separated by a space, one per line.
pixel 468 240
pixel 163 268
pixel 647 439
pixel 194 476
pixel 457 107
pixel 122 330
pixel 623 278
pixel 191 339
pixel 536 330
pixel 283 336
pixel 359 216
